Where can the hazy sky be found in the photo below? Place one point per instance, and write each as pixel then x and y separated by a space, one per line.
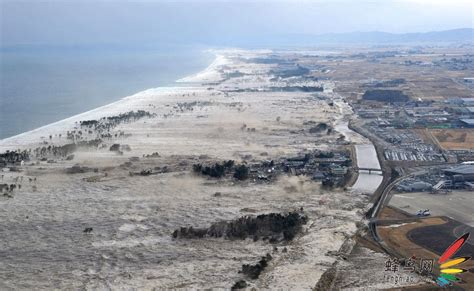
pixel 211 22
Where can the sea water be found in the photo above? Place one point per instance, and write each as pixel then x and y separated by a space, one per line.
pixel 39 86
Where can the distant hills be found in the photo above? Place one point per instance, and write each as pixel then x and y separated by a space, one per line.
pixel 461 35
pixel 268 40
pixel 457 36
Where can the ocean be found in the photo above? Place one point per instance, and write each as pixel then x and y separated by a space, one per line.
pixel 39 86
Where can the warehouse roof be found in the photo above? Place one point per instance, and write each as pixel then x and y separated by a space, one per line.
pixel 461 169
pixel 469 121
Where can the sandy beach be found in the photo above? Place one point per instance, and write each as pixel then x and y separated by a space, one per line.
pixel 134 197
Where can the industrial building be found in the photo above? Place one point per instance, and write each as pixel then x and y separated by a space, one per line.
pixel 468 122
pixel 464 172
pixel 468 101
pixel 413 186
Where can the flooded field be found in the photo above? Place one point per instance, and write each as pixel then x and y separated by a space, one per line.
pixel 104 218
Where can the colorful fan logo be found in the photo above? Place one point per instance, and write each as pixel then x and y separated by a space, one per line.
pixel 449 269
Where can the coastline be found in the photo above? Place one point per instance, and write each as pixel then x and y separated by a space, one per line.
pixel 209 73
pixel 102 111
pixel 45 88
pixel 189 125
pixel 15 141
pixel 365 182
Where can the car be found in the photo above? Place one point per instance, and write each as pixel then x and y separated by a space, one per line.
pixel 425 212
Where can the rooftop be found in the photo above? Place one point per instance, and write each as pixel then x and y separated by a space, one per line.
pixel 462 169
pixel 469 121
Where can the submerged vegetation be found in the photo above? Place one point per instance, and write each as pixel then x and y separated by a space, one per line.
pixel 65 150
pixel 254 271
pixel 12 157
pixel 219 170
pixel 273 226
pixel 107 123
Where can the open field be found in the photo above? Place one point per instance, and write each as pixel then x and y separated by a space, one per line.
pixel 438 238
pixel 454 139
pixel 395 236
pixel 426 239
pixel 436 83
pixel 392 213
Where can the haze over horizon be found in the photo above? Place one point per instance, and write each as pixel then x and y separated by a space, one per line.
pixel 65 23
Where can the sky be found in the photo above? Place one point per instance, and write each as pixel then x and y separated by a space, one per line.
pixel 146 22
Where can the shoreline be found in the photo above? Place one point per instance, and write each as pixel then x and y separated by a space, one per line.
pixel 176 84
pixel 193 82
pixel 185 81
pixel 219 60
pixel 148 188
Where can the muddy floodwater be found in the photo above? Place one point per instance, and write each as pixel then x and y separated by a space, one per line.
pixel 365 152
pixel 131 201
pixel 367 158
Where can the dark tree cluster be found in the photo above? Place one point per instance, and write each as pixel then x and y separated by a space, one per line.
pixel 297 89
pixel 65 150
pixel 273 226
pixel 115 147
pixel 328 183
pixel 241 284
pixel 319 127
pixel 107 123
pixel 241 172
pixel 128 116
pixel 77 169
pixel 7 189
pixel 387 84
pixel 254 271
pixel 290 72
pixel 189 106
pixel 385 96
pixel 89 123
pixel 12 157
pixel 218 170
pixel 324 155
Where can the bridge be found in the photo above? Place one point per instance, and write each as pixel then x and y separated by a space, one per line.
pixel 370 170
